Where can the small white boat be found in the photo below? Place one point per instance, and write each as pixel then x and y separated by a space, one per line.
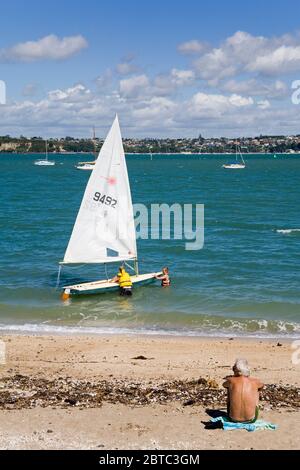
pixel 107 285
pixel 85 166
pixel 234 166
pixel 45 162
pixel 239 163
pixel 88 166
pixel 104 231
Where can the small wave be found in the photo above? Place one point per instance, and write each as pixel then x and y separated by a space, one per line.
pixel 283 330
pixel 287 231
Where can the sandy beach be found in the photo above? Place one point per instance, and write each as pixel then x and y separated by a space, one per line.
pixel 139 392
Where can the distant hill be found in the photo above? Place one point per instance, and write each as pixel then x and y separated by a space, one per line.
pixel 261 144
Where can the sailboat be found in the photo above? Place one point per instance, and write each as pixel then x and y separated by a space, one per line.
pixel 104 231
pixel 88 165
pixel 85 166
pixel 237 165
pixel 45 162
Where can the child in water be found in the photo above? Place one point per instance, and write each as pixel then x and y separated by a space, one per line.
pixel 164 278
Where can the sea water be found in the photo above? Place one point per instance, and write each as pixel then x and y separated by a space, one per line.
pixel 245 280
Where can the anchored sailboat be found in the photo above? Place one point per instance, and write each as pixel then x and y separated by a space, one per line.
pixel 45 162
pixel 237 165
pixel 88 165
pixel 85 166
pixel 104 231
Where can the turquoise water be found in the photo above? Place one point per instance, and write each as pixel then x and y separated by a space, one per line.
pixel 244 281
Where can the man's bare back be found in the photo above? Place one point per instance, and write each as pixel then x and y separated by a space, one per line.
pixel 243 397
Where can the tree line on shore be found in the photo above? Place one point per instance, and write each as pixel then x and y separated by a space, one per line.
pixel 264 144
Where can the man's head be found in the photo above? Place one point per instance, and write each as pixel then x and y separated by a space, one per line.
pixel 241 367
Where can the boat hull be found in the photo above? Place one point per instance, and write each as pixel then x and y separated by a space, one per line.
pixel 44 163
pixel 234 167
pixel 85 167
pixel 104 286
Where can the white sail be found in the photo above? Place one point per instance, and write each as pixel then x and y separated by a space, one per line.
pixel 104 230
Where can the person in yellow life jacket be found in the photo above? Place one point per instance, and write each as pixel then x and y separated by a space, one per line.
pixel 124 281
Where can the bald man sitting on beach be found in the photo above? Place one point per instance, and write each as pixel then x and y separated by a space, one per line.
pixel 242 393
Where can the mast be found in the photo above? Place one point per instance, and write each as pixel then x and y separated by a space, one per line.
pixel 243 159
pixel 94 143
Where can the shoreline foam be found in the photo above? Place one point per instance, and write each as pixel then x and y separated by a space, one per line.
pixel 64 330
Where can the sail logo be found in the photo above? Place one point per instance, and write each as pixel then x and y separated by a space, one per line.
pixel 110 179
pixel 2 92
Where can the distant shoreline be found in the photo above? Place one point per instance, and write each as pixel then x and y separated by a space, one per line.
pixel 149 154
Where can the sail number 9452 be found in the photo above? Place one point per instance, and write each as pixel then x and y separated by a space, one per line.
pixel 107 200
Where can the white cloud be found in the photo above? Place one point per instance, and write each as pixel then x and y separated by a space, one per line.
pixel 105 80
pixel 174 103
pixel 133 86
pixel 283 59
pixel 256 87
pixel 245 53
pixel 192 47
pixel 182 77
pixel 166 84
pixel 216 65
pixel 203 104
pixel 238 101
pixel 47 48
pixel 73 110
pixel 264 104
pixel 74 94
pixel 125 68
pixel 154 109
pixel 142 87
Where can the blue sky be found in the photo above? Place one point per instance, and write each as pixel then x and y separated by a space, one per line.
pixel 170 68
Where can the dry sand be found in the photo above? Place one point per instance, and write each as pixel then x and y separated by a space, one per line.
pixel 110 425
